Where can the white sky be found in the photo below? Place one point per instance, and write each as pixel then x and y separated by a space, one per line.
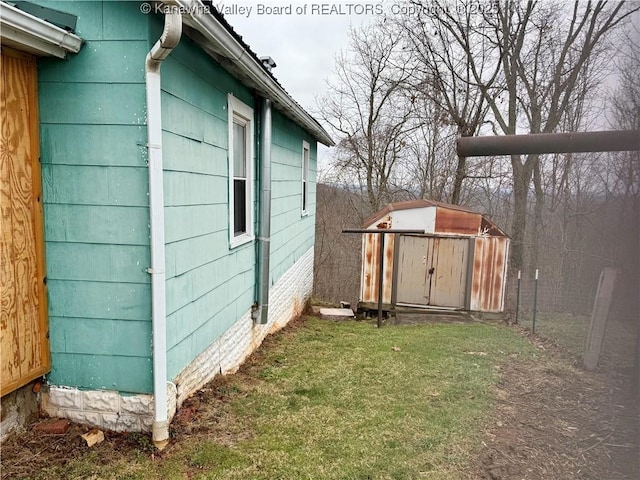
pixel 303 45
pixel 304 37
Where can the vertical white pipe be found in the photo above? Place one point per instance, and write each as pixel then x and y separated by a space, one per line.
pixel 160 51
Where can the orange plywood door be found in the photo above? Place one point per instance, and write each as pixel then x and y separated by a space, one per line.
pixel 23 321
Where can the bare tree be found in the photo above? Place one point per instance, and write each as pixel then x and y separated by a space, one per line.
pixel 623 182
pixel 542 51
pixel 368 108
pixel 445 77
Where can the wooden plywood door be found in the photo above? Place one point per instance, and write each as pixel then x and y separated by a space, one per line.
pixel 23 321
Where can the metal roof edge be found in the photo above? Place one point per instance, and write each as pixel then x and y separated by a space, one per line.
pixel 390 207
pixel 204 18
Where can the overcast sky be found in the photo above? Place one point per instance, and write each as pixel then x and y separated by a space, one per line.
pixel 303 39
pixel 303 45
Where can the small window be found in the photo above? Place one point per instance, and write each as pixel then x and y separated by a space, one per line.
pixel 305 177
pixel 240 172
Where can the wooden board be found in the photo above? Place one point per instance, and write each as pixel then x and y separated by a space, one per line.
pixel 599 317
pixel 23 323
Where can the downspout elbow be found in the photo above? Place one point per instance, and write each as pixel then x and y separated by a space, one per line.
pixel 169 40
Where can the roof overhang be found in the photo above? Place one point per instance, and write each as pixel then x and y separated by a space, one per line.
pixel 26 32
pixel 220 43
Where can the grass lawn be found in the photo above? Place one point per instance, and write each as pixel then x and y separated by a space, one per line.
pixel 327 400
pixel 567 330
pixel 570 333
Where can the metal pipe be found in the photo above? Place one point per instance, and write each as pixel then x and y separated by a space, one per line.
pixel 380 280
pixel 535 301
pixel 539 143
pixel 384 232
pixel 518 299
pixel 160 51
pixel 264 238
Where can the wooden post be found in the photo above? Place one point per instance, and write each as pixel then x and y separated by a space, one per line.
pixel 599 316
pixel 518 298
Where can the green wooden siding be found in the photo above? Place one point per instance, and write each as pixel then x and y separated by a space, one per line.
pixel 95 190
pixel 93 142
pixel 291 233
pixel 209 285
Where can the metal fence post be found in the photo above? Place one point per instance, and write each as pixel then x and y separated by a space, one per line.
pixel 518 298
pixel 535 301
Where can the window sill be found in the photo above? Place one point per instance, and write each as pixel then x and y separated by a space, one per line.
pixel 240 240
pixel 304 213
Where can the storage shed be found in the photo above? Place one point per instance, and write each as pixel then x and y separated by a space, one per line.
pixel 459 263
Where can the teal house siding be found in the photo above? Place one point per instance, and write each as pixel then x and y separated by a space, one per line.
pixel 95 191
pixel 93 136
pixel 291 233
pixel 209 285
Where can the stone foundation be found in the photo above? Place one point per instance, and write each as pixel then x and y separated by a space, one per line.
pixel 18 408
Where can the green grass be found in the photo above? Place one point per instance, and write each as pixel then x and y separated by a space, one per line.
pixel 329 400
pixel 567 330
pixel 570 332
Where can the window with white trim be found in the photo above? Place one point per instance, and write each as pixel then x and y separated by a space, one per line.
pixel 305 177
pixel 240 172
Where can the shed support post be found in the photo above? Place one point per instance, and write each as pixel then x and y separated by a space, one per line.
pixel 380 279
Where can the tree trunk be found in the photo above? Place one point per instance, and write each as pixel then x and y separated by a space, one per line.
pixel 457 182
pixel 521 180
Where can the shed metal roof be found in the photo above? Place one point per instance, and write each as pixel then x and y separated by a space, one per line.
pixel 487 224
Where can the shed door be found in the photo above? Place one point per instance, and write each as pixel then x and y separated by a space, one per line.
pixel 23 332
pixel 449 277
pixel 432 271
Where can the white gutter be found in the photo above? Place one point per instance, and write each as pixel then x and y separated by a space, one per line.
pixel 228 46
pixel 161 50
pixel 38 36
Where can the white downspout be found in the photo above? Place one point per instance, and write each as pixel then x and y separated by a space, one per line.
pixel 168 41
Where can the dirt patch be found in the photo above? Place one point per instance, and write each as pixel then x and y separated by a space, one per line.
pixel 554 420
pixel 27 453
